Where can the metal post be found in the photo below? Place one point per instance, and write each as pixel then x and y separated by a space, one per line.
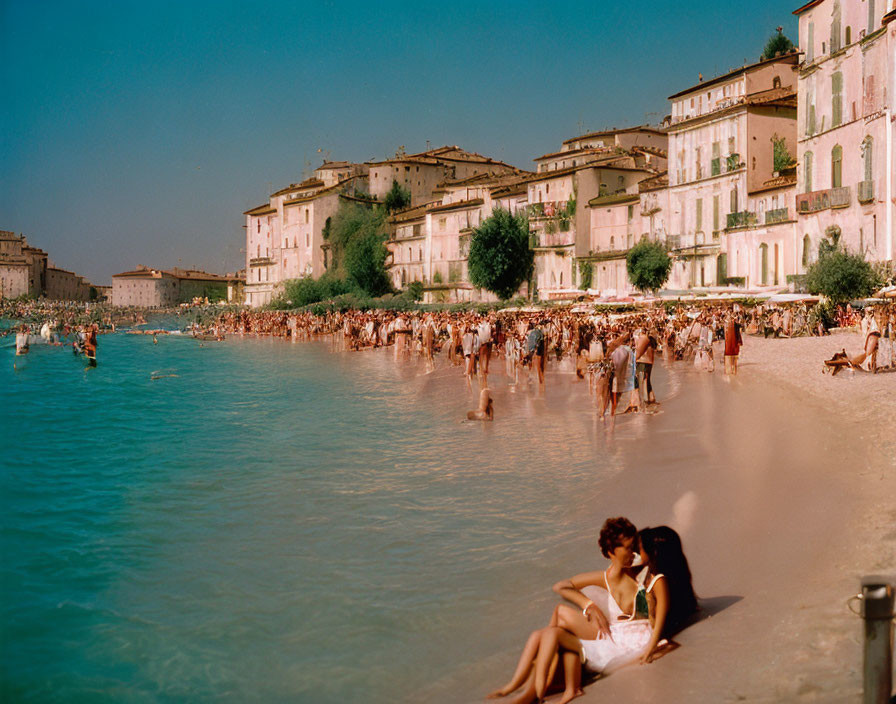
pixel 877 612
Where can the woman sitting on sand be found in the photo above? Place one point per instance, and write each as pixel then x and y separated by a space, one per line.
pixel 645 608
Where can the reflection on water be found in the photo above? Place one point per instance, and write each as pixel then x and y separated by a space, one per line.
pixel 280 521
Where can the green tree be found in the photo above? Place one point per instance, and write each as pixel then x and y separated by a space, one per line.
pixel 776 43
pixel 840 275
pixel 500 259
pixel 648 265
pixel 303 292
pixel 351 220
pixel 586 272
pixel 397 198
pixel 414 290
pixel 781 158
pixel 365 258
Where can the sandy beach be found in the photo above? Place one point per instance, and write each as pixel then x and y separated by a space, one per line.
pixel 785 496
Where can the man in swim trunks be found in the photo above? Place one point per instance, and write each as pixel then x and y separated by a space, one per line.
pixel 645 348
pixel 535 349
pixel 621 373
pixel 485 331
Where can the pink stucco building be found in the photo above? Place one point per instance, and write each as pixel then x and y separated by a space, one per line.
pixel 846 86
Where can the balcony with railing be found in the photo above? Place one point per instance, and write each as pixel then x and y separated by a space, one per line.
pixel 552 239
pixel 777 215
pixel 742 219
pixel 866 191
pixel 815 201
pixel 840 197
pixel 261 261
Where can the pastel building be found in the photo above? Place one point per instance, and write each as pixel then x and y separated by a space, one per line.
pixel 286 237
pixel 27 271
pixel 723 138
pixel 65 285
pixel 614 229
pixel 16 267
pixel 847 80
pixel 421 173
pixel 145 287
pixel 560 219
pixel 431 242
pixel 651 142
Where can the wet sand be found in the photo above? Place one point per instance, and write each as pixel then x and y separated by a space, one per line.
pixel 783 487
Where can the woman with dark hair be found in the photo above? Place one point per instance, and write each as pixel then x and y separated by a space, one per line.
pixel 644 609
pixel 661 550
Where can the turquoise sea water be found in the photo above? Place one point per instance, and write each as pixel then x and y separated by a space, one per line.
pixel 280 522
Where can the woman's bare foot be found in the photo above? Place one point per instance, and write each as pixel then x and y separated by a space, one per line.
pixel 568 696
pixel 498 693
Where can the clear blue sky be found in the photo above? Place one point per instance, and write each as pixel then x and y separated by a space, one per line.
pixel 137 133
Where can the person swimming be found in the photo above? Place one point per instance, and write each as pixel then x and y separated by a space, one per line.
pixel 486 410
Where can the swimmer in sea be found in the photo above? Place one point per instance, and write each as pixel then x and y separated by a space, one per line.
pixel 486 409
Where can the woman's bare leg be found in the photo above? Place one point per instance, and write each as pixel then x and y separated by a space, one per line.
pixel 523 667
pixel 572 676
pixel 552 639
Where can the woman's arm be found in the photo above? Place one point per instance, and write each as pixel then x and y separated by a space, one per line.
pixel 661 611
pixel 570 589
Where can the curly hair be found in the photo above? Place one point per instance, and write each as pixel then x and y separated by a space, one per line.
pixel 614 531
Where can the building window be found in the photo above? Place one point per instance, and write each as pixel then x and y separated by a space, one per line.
pixel 807 172
pixel 699 225
pixel 836 99
pixel 867 156
pixel 835 28
pixel 776 82
pixel 848 37
pixel 810 43
pixel 715 214
pixel 733 202
pixel 307 215
pixel 837 166
pixel 870 15
pixel 763 257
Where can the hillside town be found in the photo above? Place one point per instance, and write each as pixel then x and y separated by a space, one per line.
pixel 743 178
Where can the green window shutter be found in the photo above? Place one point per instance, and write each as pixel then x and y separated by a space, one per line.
pixel 837 167
pixel 836 99
pixel 699 214
pixel 715 213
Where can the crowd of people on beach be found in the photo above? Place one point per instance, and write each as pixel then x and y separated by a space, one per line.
pixel 614 353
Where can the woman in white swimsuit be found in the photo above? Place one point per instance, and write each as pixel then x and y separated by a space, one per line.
pixel 642 609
